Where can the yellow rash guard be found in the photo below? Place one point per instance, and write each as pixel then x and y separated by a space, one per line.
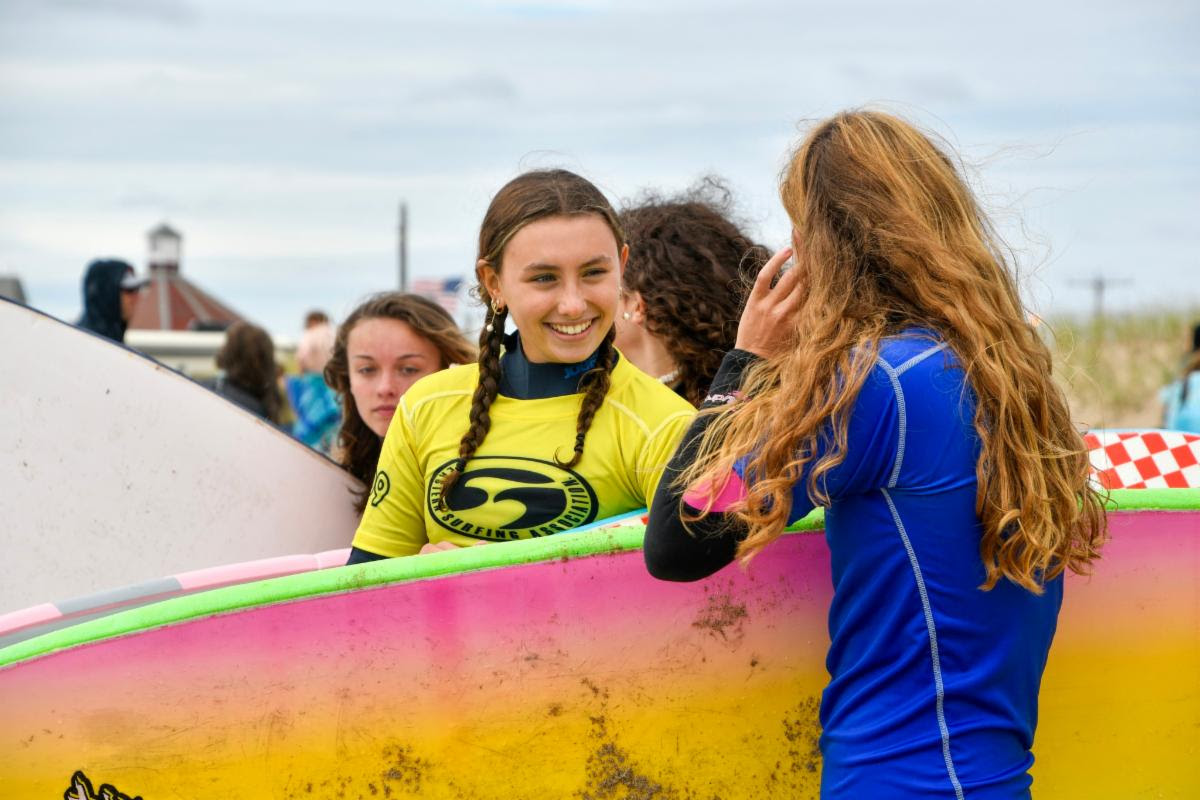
pixel 512 488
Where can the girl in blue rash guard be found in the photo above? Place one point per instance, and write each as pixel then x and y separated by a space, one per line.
pixel 890 377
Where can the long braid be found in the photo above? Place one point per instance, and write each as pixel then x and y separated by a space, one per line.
pixel 598 380
pixel 491 339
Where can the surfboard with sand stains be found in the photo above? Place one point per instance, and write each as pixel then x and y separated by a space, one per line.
pixel 115 469
pixel 557 668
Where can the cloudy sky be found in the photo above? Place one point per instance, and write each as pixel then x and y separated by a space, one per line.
pixel 280 137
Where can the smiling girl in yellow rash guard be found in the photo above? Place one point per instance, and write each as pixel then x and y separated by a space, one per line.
pixel 496 451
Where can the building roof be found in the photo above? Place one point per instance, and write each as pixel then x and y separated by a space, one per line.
pixel 10 286
pixel 173 303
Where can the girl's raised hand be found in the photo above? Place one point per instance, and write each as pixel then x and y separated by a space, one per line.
pixel 766 317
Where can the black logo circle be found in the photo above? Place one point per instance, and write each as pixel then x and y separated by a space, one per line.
pixel 500 498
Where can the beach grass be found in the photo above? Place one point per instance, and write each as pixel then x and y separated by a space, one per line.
pixel 1113 367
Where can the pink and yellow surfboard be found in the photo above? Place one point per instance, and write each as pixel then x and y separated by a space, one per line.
pixel 557 668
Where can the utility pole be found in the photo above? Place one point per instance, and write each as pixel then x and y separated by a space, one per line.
pixel 1099 285
pixel 402 246
pixel 1094 341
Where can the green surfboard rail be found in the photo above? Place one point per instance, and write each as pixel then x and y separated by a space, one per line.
pixel 623 537
pixel 1154 500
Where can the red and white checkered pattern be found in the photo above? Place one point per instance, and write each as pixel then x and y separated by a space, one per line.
pixel 1144 459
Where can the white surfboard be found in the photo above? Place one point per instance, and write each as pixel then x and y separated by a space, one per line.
pixel 115 469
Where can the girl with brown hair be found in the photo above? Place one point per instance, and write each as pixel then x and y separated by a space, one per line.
pixel 690 267
pixel 890 377
pixel 386 344
pixel 249 375
pixel 552 428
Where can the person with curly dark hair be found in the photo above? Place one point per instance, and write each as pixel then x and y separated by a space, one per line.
pixel 388 342
pixel 690 266
pixel 552 428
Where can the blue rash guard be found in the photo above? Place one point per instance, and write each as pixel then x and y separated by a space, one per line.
pixel 933 683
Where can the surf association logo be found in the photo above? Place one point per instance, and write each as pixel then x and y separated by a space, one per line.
pixel 500 498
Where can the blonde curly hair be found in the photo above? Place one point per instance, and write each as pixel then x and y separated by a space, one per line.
pixel 889 237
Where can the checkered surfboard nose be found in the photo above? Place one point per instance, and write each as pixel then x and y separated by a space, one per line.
pixel 1144 459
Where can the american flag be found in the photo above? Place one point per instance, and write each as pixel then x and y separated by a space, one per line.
pixel 443 291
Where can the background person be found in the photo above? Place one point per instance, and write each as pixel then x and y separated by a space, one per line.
pixel 248 373
pixel 385 345
pixel 891 378
pixel 551 428
pixel 314 404
pixel 315 318
pixel 1181 397
pixel 110 295
pixel 689 269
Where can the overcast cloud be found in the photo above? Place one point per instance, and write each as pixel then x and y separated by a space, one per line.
pixel 280 138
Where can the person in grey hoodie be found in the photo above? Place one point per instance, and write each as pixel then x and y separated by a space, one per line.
pixel 110 295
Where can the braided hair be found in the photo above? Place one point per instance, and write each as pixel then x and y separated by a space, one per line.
pixel 692 266
pixel 530 197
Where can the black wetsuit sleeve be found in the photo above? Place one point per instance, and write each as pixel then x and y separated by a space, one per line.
pixel 358 556
pixel 672 551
